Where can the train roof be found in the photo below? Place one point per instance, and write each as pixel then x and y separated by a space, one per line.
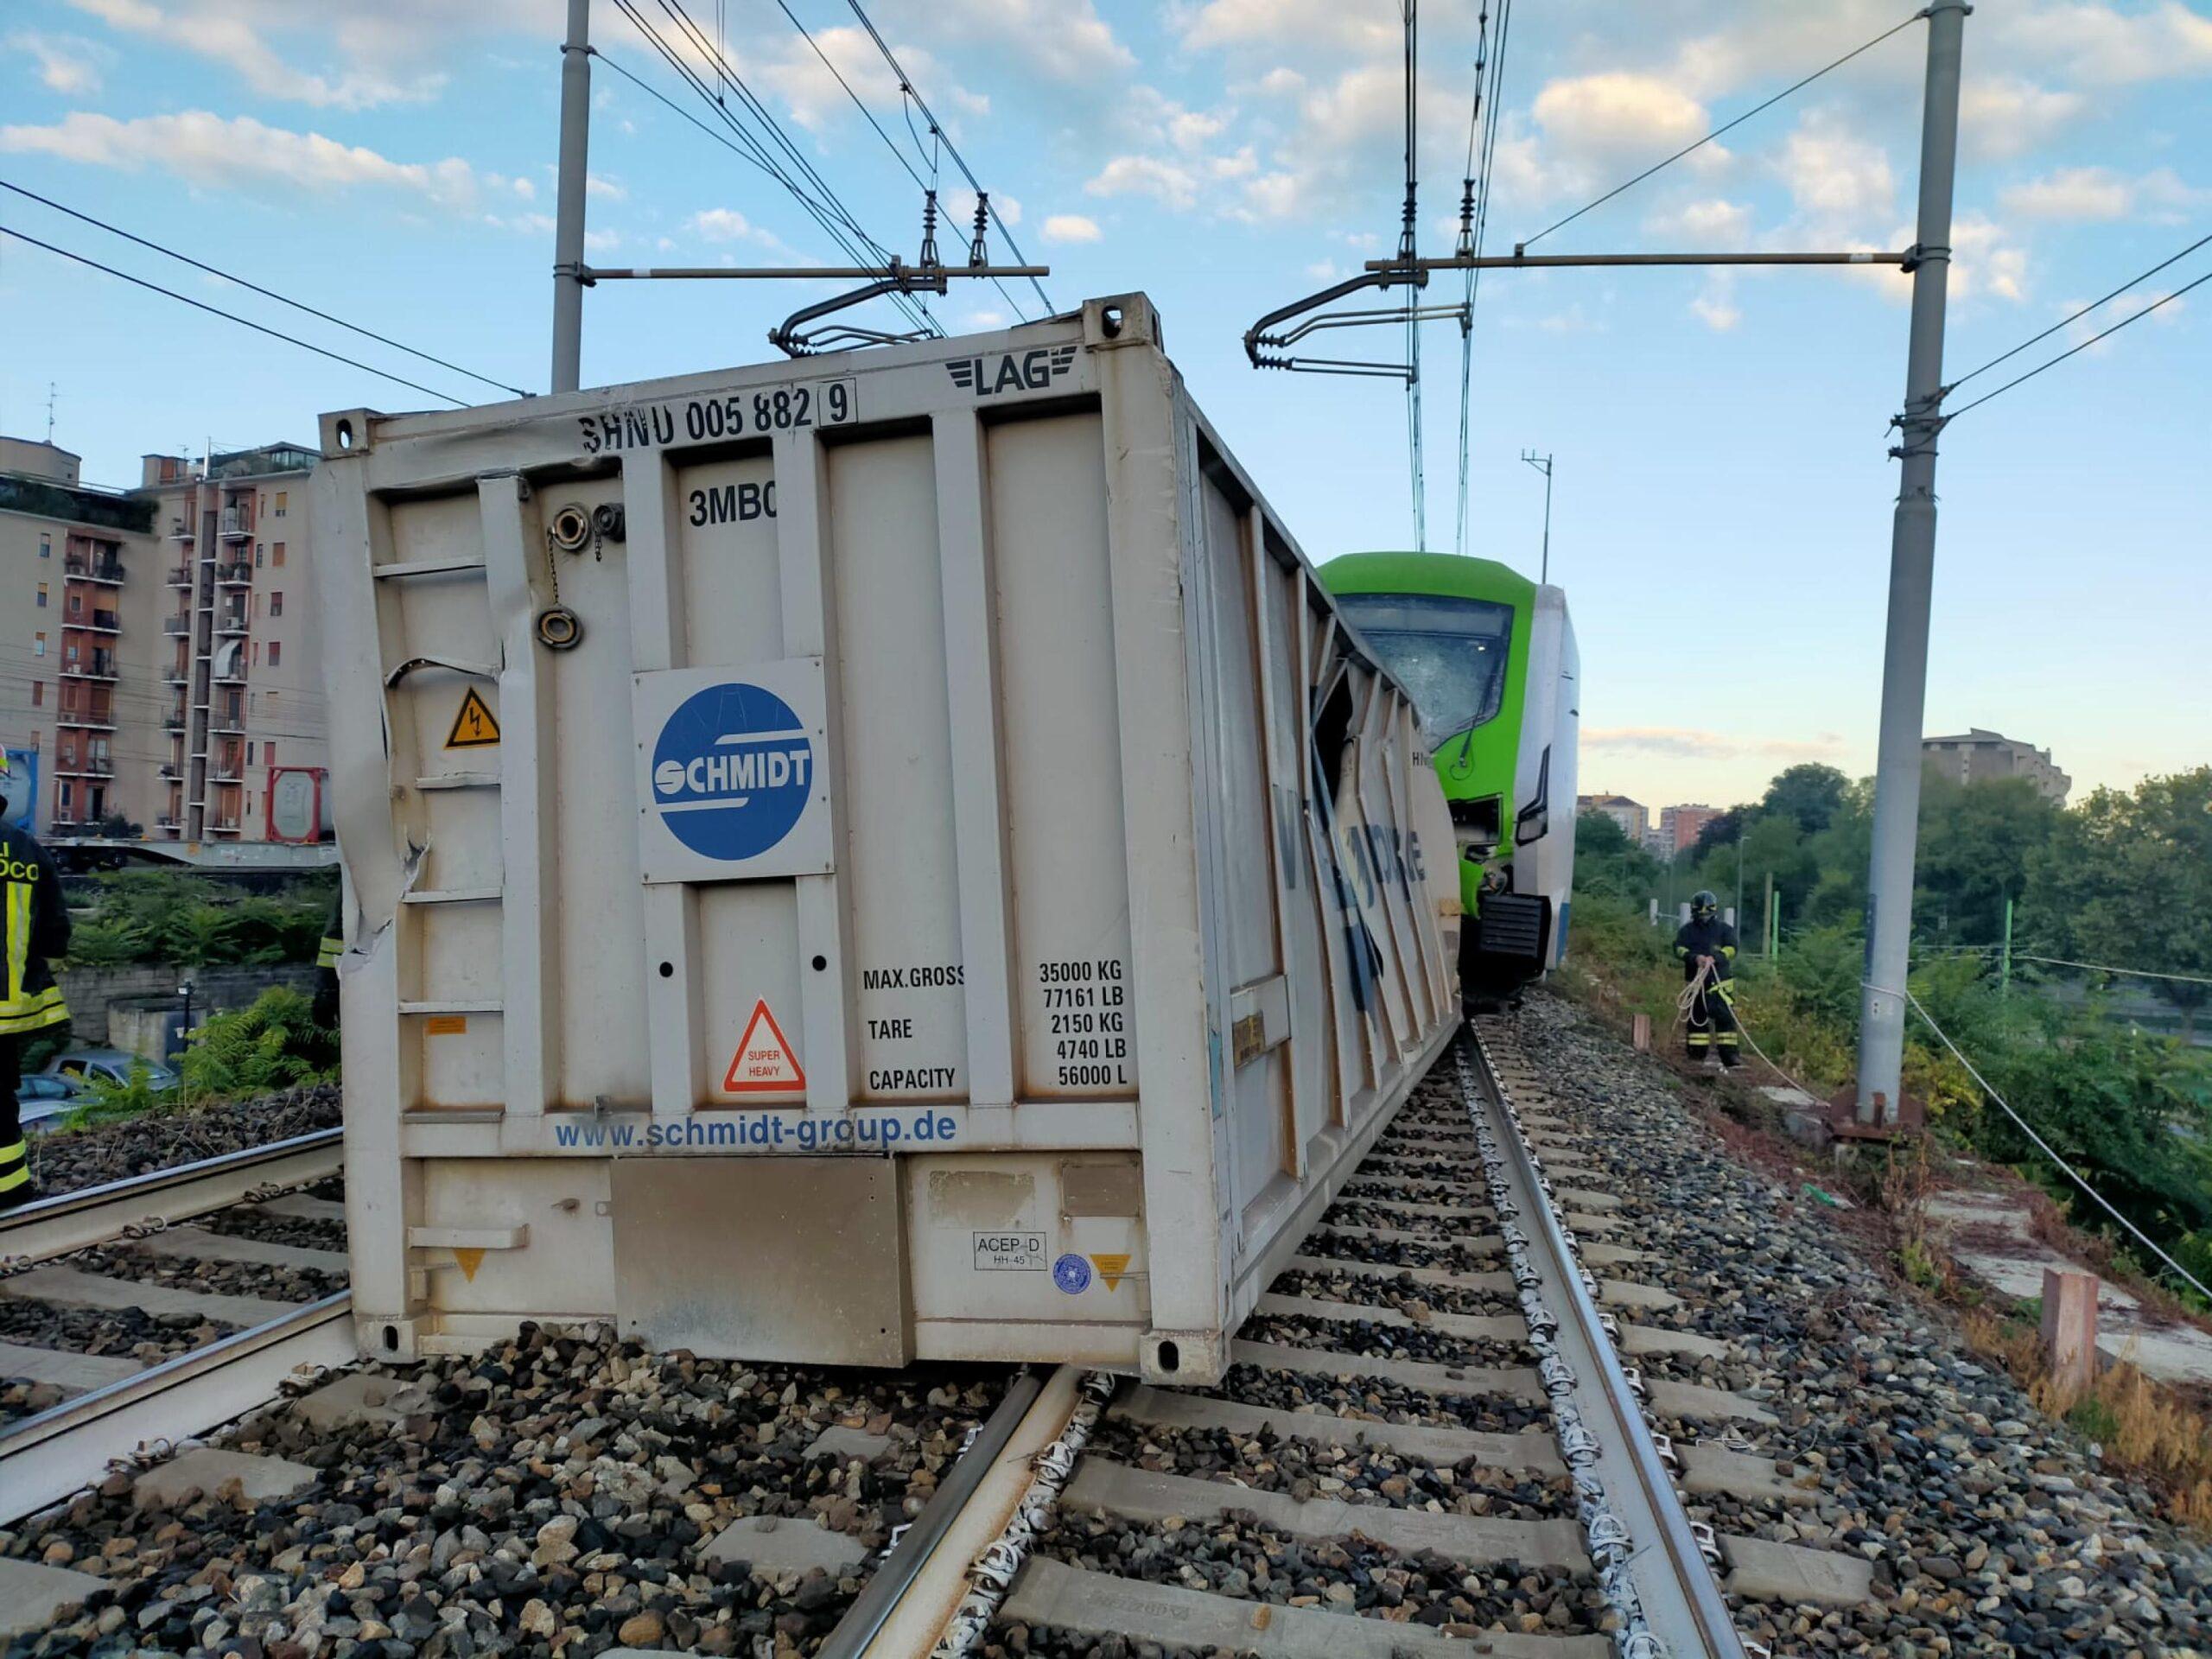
pixel 1427 572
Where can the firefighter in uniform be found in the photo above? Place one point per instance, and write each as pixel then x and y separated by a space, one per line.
pixel 1707 946
pixel 34 927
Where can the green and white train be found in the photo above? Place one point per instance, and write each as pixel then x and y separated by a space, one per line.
pixel 1491 660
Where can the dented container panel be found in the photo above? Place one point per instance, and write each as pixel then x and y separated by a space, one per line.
pixel 936 766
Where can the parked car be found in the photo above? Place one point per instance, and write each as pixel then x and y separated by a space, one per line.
pixel 44 1100
pixel 111 1065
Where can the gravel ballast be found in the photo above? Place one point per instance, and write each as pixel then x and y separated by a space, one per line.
pixel 554 1494
pixel 1991 1529
pixel 67 1161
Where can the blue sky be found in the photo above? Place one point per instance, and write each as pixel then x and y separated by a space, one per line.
pixel 1722 515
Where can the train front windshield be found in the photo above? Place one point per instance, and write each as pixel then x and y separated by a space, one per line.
pixel 1449 653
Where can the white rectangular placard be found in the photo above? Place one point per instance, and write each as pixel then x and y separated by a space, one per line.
pixel 733 774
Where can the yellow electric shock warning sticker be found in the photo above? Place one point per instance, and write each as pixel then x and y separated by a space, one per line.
pixel 475 725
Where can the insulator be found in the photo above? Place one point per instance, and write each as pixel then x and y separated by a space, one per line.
pixel 978 255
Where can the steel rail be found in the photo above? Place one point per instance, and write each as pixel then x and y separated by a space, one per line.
pixel 872 1609
pixel 43 1459
pixel 94 1215
pixel 1661 1561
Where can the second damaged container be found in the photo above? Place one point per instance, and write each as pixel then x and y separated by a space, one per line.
pixel 883 856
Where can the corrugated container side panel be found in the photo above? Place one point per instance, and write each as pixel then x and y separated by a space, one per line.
pixel 1062 755
pixel 900 879
pixel 603 1046
pixel 1313 1080
pixel 748 950
pixel 1243 833
pixel 732 599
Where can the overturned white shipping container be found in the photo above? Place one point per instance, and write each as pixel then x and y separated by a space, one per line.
pixel 881 856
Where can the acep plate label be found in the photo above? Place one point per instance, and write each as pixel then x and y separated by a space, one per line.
pixel 733 783
pixel 1011 1252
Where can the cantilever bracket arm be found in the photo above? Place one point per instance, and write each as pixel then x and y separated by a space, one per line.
pixel 789 336
pixel 1259 335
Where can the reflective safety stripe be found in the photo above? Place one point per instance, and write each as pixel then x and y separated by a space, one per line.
pixel 1699 1038
pixel 1729 951
pixel 1728 1039
pixel 33 1013
pixel 19 942
pixel 20 1176
pixel 14 1154
pixel 329 951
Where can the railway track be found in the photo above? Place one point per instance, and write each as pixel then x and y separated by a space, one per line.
pixel 1437 1431
pixel 140 1294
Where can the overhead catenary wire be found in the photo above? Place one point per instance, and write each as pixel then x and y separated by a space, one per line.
pixel 2106 968
pixel 1409 13
pixel 1794 86
pixel 266 293
pixel 2042 1145
pixel 243 322
pixel 2076 316
pixel 1482 155
pixel 2132 317
pixel 825 208
pixel 936 129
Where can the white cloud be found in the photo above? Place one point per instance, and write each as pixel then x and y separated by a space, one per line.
pixel 1838 181
pixel 383 56
pixel 2106 47
pixel 984 318
pixel 1623 116
pixel 959 207
pixel 1365 30
pixel 602 241
pixel 612 190
pixel 2127 306
pixel 528 224
pixel 2001 117
pixel 526 190
pixel 1713 225
pixel 202 148
pixel 1064 40
pixel 1985 259
pixel 1070 227
pixel 720 224
pixel 1716 306
pixel 1147 176
pixel 66 64
pixel 1694 743
pixel 2091 193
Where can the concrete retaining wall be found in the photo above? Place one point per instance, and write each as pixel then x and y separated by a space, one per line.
pixel 123 1007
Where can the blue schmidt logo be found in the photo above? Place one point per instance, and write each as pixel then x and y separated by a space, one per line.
pixel 731 770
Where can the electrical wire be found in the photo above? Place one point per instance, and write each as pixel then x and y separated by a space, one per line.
pixel 936 130
pixel 2138 317
pixel 243 322
pixel 2077 316
pixel 1410 15
pixel 1797 86
pixel 266 293
pixel 2042 1145
pixel 1471 283
pixel 2102 968
pixel 829 213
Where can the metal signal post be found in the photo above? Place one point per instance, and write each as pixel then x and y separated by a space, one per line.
pixel 568 208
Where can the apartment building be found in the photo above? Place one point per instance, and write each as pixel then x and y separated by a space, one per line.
pixel 157 647
pixel 70 708
pixel 1632 816
pixel 238 659
pixel 1680 825
pixel 1975 756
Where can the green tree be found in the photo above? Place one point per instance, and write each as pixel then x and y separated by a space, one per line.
pixel 1809 794
pixel 1977 841
pixel 1606 862
pixel 2126 881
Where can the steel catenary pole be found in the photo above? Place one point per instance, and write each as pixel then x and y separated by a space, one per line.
pixel 568 210
pixel 1912 566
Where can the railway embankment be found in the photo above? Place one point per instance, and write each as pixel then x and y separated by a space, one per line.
pixel 1990 1526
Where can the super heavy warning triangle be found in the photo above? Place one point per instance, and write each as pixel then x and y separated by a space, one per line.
pixel 763 1063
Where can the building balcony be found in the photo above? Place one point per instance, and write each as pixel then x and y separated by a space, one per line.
pixel 227 725
pixel 169 826
pixel 230 622
pixel 237 526
pixel 176 625
pixel 90 766
pixel 222 826
pixel 98 622
pixel 181 529
pixel 237 574
pixel 177 673
pixel 234 675
pixel 100 665
pixel 80 568
pixel 181 576
pixel 96 720
pixel 226 773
